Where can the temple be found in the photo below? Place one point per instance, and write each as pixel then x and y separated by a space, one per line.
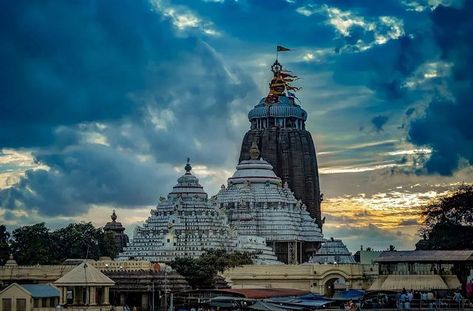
pixel 118 231
pixel 186 224
pixel 258 203
pixel 278 128
pixel 334 252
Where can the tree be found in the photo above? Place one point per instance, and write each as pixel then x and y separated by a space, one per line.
pixel 108 245
pixel 448 221
pixel 36 244
pixel 4 245
pixel 32 245
pixel 83 240
pixel 202 272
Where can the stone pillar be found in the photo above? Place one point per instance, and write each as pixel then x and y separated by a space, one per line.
pixel 92 296
pixel 87 296
pixel 62 295
pixel 106 295
pixel 75 295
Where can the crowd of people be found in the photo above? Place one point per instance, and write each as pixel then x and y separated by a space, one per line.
pixel 410 299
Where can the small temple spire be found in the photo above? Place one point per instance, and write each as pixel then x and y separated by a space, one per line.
pixel 188 167
pixel 254 151
pixel 113 216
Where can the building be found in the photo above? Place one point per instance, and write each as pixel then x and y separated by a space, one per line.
pixel 323 279
pixel 278 127
pixel 118 232
pixel 186 224
pixel 137 283
pixel 333 251
pixel 84 286
pixel 29 297
pixel 258 204
pixel 423 270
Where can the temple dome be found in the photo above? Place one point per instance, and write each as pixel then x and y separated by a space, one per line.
pixel 254 171
pixel 188 186
pixel 283 108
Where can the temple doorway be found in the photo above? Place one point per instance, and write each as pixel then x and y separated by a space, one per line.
pixel 333 285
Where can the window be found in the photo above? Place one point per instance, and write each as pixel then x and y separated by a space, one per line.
pixel 20 304
pixel 6 304
pixel 36 303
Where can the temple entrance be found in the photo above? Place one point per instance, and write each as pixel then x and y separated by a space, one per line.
pixel 333 285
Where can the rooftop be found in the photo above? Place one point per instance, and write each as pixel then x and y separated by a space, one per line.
pixel 425 255
pixel 41 290
pixel 84 274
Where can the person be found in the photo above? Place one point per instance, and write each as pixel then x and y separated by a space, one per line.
pixel 410 297
pixel 458 298
pixel 403 299
pixel 350 306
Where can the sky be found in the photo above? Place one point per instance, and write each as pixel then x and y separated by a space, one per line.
pixel 102 102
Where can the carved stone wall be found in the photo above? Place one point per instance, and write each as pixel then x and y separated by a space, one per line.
pixel 292 154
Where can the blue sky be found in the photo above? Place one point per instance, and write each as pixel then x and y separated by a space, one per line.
pixel 102 102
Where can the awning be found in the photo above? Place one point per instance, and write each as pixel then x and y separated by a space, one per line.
pixel 416 282
pixel 351 294
pixel 452 281
pixel 261 305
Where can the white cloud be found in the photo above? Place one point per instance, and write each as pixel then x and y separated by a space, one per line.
pixel 184 19
pixel 383 28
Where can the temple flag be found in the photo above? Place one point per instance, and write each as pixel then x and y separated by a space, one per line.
pixel 280 48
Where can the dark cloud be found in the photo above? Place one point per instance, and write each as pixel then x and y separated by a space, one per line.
pixel 84 72
pixel 409 222
pixel 71 62
pixel 446 125
pixel 378 122
pixel 88 174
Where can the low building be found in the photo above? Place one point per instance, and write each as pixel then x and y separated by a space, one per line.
pixel 423 270
pixel 29 297
pixel 137 282
pixel 84 286
pixel 323 279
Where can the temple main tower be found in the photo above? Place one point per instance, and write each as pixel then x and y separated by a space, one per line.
pixel 278 127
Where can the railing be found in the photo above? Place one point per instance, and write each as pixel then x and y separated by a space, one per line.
pixel 417 304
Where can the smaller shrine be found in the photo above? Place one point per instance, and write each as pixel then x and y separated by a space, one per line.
pixel 118 231
pixel 333 252
pixel 84 286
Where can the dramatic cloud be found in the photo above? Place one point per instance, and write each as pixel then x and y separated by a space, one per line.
pixel 115 96
pixel 84 175
pixel 446 125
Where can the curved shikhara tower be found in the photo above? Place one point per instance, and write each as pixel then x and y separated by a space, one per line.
pixel 278 128
pixel 186 224
pixel 259 204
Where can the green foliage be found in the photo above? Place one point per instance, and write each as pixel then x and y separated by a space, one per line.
pixel 202 272
pixel 108 245
pixel 32 245
pixel 38 245
pixel 4 246
pixel 448 221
